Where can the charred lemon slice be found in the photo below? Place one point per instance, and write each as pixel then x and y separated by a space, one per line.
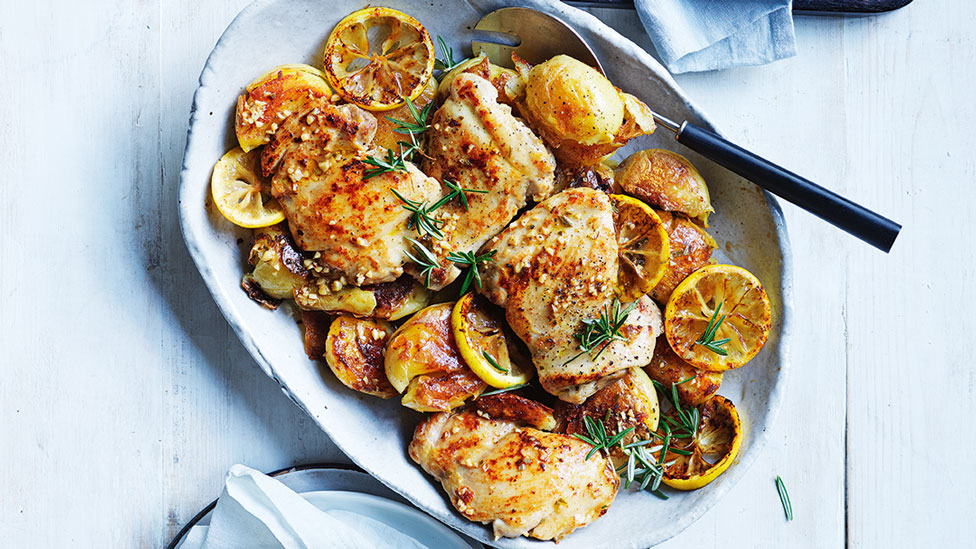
pixel 642 244
pixel 241 194
pixel 710 452
pixel 378 57
pixel 718 318
pixel 489 351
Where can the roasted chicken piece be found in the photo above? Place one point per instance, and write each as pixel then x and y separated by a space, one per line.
pixel 356 224
pixel 630 401
pixel 522 480
pixel 554 269
pixel 476 143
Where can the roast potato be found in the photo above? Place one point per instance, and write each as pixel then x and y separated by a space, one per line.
pixel 354 353
pixel 691 249
pixel 573 101
pixel 631 401
pixel 667 368
pixel 423 362
pixel 510 84
pixel 390 300
pixel 273 97
pixel 278 266
pixel 667 181
pixel 521 410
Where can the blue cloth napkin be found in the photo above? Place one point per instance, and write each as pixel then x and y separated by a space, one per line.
pixel 701 35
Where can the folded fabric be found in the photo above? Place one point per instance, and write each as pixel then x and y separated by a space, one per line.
pixel 701 35
pixel 257 511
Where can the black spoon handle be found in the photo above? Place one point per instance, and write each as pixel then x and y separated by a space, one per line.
pixel 875 229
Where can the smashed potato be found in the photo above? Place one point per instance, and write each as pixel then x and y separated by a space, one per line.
pixel 278 267
pixel 665 180
pixel 667 368
pixel 354 353
pixel 423 362
pixel 691 248
pixel 573 101
pixel 512 407
pixel 283 91
pixel 510 84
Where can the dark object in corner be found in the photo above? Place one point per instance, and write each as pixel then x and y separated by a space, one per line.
pixel 803 7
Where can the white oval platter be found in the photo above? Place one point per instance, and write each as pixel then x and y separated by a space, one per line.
pixel 748 225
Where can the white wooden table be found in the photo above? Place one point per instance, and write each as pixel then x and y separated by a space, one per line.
pixel 124 396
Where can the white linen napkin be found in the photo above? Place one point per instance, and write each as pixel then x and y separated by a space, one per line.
pixel 701 35
pixel 255 510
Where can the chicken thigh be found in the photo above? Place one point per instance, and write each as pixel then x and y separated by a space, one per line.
pixel 555 268
pixel 356 224
pixel 476 143
pixel 522 480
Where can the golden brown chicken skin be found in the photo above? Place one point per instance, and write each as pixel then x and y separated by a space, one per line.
pixel 554 268
pixel 521 480
pixel 476 143
pixel 319 176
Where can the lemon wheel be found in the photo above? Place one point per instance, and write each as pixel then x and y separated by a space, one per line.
pixel 710 452
pixel 489 351
pixel 378 57
pixel 642 244
pixel 718 318
pixel 241 194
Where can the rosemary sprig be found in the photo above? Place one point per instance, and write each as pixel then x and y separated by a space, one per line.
pixel 598 437
pixel 505 390
pixel 784 498
pixel 394 162
pixel 604 330
pixel 421 218
pixel 494 363
pixel 688 419
pixel 449 62
pixel 470 260
pixel 707 339
pixel 457 192
pixel 419 123
pixel 426 260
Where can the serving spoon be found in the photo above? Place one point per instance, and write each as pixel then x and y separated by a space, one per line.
pixel 543 36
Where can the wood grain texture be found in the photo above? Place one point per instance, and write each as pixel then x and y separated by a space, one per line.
pixel 125 395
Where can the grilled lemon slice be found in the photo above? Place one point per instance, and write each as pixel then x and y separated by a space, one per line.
pixel 714 447
pixel 489 351
pixel 718 318
pixel 642 244
pixel 378 57
pixel 241 194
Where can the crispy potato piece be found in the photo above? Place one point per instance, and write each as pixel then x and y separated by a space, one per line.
pixel 667 368
pixel 423 360
pixel 278 265
pixel 354 352
pixel 390 300
pixel 315 331
pixel 395 300
pixel 281 92
pixel 631 401
pixel 442 392
pixel 510 84
pixel 512 407
pixel 691 249
pixel 666 180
